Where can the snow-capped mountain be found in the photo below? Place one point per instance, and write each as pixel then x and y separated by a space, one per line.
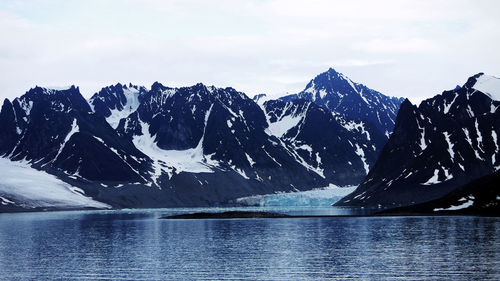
pixel 128 146
pixel 336 92
pixel 444 143
pixel 203 130
pixel 335 127
pixel 57 129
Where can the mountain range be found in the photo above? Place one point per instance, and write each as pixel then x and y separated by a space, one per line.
pixel 129 146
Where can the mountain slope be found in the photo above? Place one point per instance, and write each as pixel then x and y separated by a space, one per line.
pixel 446 142
pixel 116 102
pixel 479 197
pixel 335 127
pixel 336 92
pixel 338 150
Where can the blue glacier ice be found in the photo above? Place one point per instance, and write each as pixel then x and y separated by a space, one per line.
pixel 313 198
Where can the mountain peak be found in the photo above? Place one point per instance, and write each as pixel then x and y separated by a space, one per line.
pixel 331 70
pixel 406 103
pixel 328 75
pixel 336 92
pixel 52 90
pixel 157 86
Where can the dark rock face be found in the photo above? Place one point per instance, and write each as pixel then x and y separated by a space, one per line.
pixel 338 93
pixel 479 197
pixel 446 142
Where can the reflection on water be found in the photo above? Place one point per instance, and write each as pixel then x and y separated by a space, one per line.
pixel 135 245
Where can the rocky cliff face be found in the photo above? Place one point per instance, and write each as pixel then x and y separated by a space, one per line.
pixel 444 143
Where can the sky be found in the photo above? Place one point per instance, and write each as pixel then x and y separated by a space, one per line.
pixel 413 49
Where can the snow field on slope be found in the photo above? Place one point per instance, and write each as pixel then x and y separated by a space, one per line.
pixel 32 188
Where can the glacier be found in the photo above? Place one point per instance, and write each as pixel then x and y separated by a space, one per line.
pixel 23 186
pixel 321 197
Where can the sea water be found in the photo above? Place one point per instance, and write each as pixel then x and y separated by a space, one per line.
pixel 137 245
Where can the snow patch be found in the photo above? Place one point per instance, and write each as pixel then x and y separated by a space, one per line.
pixel 352 125
pixel 464 205
pixel 322 93
pixel 479 136
pixel 433 179
pixel 450 146
pixel 74 129
pixel 359 151
pixel 495 141
pixel 448 106
pixel 469 140
pixel 131 105
pixel 250 160
pixel 285 123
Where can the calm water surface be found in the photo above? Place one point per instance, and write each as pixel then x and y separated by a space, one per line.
pixel 136 245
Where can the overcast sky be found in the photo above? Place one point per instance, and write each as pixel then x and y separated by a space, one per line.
pixel 413 49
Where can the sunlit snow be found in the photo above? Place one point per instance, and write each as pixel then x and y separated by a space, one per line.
pixel 285 123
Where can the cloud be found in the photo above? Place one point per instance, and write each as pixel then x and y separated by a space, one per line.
pixel 398 45
pixel 402 48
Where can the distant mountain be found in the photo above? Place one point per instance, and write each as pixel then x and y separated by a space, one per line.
pixel 336 92
pixel 335 127
pixel 444 143
pixel 128 146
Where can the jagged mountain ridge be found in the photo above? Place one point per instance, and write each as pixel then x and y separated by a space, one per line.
pixel 56 129
pixel 444 143
pixel 189 146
